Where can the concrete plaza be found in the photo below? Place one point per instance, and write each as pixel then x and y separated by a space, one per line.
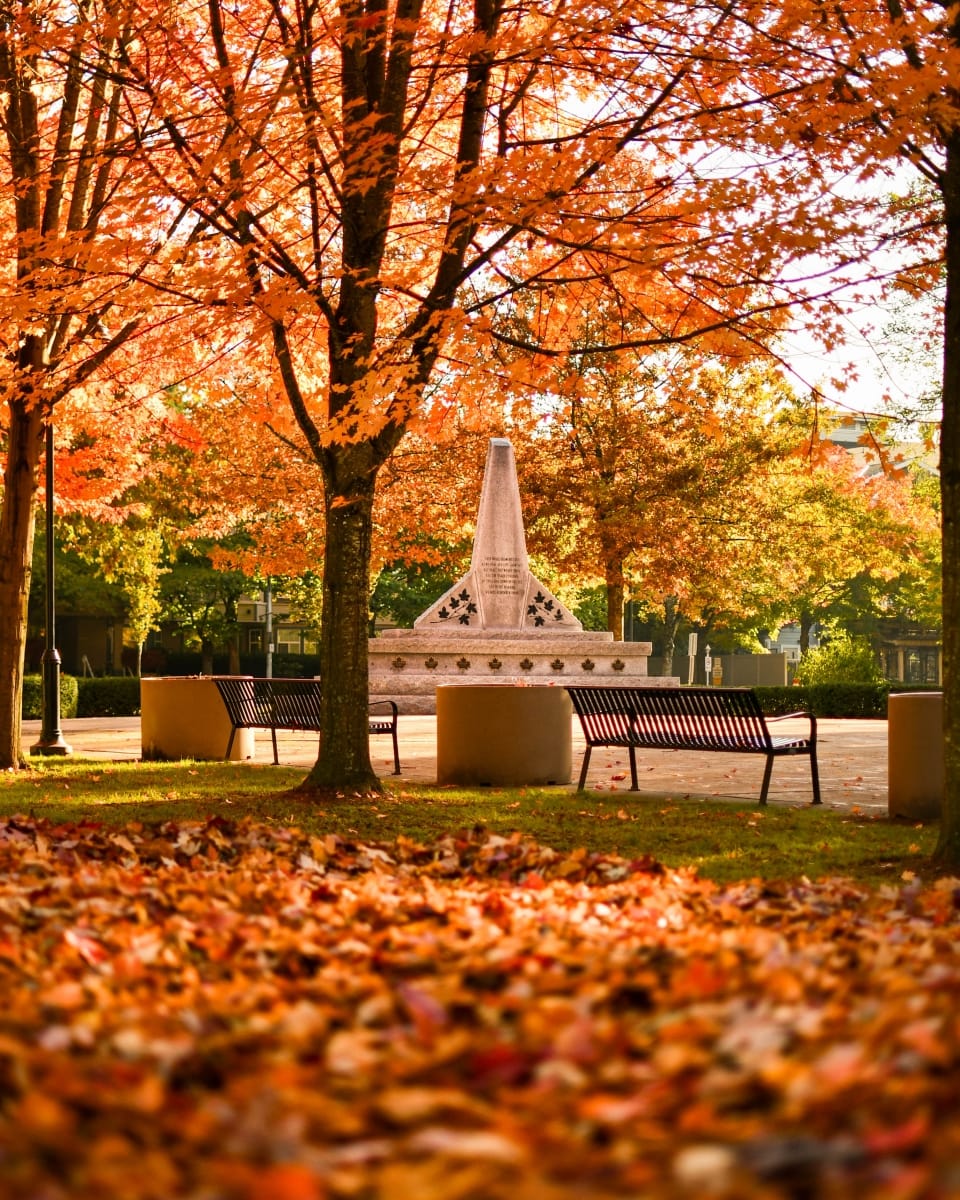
pixel 852 755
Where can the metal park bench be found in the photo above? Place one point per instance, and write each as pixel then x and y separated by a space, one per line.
pixel 687 718
pixel 292 704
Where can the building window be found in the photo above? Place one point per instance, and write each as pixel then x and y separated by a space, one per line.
pixel 921 665
pixel 288 641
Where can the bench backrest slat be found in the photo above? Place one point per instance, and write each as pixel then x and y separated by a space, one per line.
pixel 296 702
pixel 263 703
pixel 667 717
pixel 248 708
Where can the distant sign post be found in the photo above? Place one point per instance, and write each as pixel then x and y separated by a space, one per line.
pixel 707 663
pixel 691 656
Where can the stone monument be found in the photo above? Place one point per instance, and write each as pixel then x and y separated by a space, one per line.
pixel 498 624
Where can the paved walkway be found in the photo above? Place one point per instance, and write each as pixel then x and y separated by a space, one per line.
pixel 852 757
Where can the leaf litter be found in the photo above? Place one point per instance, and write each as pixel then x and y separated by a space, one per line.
pixel 230 1011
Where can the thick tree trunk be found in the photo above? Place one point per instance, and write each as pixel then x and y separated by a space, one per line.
pixel 17 515
pixel 948 847
pixel 344 757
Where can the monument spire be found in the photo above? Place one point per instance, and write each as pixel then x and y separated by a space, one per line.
pixel 499 592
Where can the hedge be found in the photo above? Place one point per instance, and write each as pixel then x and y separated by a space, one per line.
pixel 109 696
pixel 832 699
pixel 189 662
pixel 119 696
pixel 32 706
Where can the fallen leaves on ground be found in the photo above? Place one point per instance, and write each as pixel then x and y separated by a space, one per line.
pixel 229 1011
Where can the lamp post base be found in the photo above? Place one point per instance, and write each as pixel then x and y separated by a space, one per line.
pixel 51 739
pixel 54 745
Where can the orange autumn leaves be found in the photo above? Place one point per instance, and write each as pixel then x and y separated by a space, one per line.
pixel 234 1011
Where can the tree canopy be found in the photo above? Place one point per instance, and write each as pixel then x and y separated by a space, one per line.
pixel 393 203
pixel 379 184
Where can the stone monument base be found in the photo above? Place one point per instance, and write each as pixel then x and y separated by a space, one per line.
pixel 407 665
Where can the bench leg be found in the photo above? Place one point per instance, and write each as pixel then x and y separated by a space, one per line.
pixel 396 753
pixel 233 734
pixel 767 772
pixel 634 786
pixel 583 768
pixel 815 776
pixel 276 756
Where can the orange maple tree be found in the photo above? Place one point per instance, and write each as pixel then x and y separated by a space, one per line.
pixel 83 235
pixel 380 181
pixel 376 184
pixel 247 482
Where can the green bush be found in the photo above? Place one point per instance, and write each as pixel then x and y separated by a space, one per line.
pixel 32 706
pixel 841 660
pixel 109 696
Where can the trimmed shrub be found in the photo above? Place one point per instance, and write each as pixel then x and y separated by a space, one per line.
pixel 848 699
pixel 833 699
pixel 778 701
pixel 32 707
pixel 109 696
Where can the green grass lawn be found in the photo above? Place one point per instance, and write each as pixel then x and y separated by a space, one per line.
pixel 723 840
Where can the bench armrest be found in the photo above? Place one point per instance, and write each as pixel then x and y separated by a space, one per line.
pixel 787 716
pixel 382 703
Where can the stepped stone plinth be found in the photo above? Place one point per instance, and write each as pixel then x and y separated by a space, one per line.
pixel 499 624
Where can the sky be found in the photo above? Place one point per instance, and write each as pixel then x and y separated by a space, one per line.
pixel 876 362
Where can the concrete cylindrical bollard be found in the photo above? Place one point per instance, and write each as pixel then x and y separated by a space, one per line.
pixel 499 735
pixel 915 770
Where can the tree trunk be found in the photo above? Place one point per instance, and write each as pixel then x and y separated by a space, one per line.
pixel 344 757
pixel 21 475
pixel 806 626
pixel 615 594
pixel 947 852
pixel 671 622
pixel 206 657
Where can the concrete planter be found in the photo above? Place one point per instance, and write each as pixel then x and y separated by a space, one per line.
pixel 501 735
pixel 915 764
pixel 185 718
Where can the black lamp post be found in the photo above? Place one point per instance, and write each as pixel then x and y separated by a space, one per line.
pixel 51 739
